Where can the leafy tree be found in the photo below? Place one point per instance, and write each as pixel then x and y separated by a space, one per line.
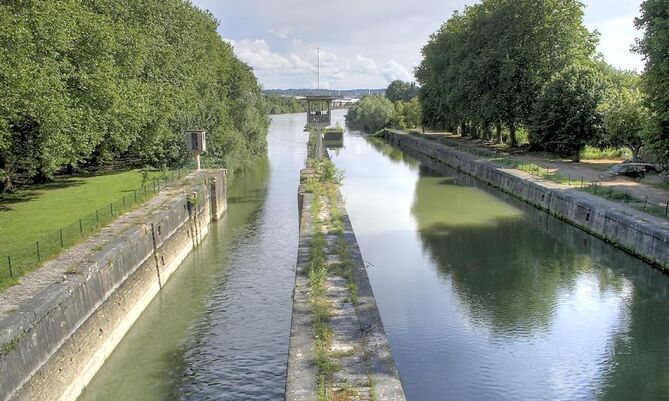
pixel 371 113
pixel 485 67
pixel 567 116
pixel 84 83
pixel 654 46
pixel 400 90
pixel 627 121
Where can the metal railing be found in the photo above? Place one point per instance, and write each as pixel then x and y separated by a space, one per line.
pixel 23 260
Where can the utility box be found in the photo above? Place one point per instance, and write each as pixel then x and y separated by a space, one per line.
pixel 196 141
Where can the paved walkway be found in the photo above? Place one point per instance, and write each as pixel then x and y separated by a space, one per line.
pixel 588 170
pixel 62 267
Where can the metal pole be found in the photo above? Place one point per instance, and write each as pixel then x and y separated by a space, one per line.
pixel 9 262
pixel 39 257
pixel 135 192
pixel 111 210
pixel 81 228
pixel 61 238
pixel 97 216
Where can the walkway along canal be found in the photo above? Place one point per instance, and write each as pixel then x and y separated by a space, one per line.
pixel 481 296
pixel 219 329
pixel 485 298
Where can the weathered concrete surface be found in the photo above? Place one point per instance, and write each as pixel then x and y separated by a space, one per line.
pixel 367 368
pixel 636 232
pixel 55 342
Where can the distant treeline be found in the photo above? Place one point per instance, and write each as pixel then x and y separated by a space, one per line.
pixel 276 104
pixel 84 83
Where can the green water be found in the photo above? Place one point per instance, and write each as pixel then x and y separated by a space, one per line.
pixel 485 298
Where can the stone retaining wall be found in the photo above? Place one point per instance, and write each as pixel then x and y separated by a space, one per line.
pixel 636 232
pixel 53 345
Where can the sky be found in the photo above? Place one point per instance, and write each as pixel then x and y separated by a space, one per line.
pixel 369 43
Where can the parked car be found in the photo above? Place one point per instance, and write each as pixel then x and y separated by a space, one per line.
pixel 632 169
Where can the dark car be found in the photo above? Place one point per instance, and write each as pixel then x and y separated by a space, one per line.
pixel 631 169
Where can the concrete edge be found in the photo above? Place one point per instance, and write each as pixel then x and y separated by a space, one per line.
pixel 641 235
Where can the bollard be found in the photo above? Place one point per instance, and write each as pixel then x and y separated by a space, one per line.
pixel 39 257
pixel 81 228
pixel 62 245
pixel 9 262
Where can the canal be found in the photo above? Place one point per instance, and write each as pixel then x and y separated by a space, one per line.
pixel 482 297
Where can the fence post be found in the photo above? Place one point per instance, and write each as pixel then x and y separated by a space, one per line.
pixel 60 231
pixel 39 256
pixel 81 228
pixel 9 262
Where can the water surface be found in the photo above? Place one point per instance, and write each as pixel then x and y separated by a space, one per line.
pixel 219 329
pixel 485 298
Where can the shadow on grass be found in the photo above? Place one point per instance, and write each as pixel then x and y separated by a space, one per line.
pixel 34 191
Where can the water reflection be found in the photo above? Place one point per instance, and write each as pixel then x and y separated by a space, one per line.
pixel 220 327
pixel 485 298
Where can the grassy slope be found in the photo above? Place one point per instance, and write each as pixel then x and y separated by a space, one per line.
pixel 29 214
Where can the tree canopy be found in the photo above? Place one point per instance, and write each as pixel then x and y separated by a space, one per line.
pixel 371 113
pixel 487 65
pixel 400 90
pixel 654 46
pixel 83 83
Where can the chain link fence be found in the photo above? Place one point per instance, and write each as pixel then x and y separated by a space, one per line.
pixel 21 261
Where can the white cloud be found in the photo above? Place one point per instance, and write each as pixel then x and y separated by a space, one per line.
pixel 393 70
pixel 367 43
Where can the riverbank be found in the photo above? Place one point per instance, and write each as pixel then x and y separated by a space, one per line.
pixel 54 342
pixel 636 232
pixel 338 347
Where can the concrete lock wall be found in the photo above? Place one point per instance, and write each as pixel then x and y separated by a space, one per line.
pixel 56 342
pixel 642 235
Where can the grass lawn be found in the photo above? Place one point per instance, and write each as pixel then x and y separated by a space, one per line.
pixel 39 212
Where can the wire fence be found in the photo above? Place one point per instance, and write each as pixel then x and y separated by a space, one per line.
pixel 29 257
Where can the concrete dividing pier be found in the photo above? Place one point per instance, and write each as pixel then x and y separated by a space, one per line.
pixel 54 343
pixel 357 356
pixel 638 233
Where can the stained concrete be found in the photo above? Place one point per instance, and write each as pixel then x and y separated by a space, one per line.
pixel 367 370
pixel 55 342
pixel 638 233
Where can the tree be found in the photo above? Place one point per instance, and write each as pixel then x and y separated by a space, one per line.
pixel 84 83
pixel 567 116
pixel 400 90
pixel 371 113
pixel 626 119
pixel 654 46
pixel 486 66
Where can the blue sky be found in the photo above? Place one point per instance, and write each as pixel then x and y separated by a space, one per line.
pixel 368 43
